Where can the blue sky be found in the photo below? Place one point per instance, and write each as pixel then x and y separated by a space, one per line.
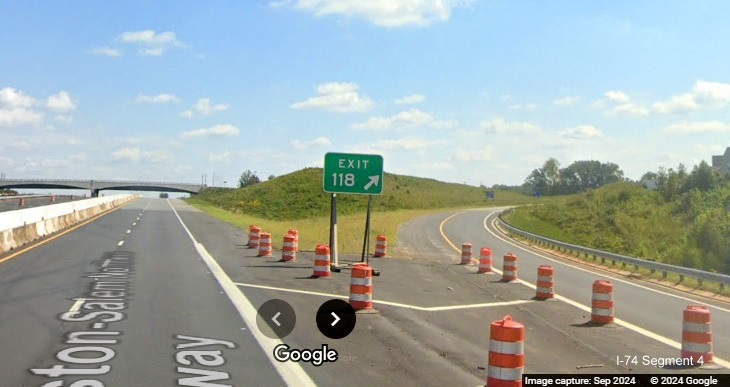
pixel 478 91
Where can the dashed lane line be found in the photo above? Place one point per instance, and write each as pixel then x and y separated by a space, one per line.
pixel 381 302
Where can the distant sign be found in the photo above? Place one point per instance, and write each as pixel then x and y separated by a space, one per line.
pixel 353 173
pixel 490 194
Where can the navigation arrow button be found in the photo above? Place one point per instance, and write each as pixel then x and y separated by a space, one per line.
pixel 344 319
pixel 276 319
pixel 336 319
pixel 278 324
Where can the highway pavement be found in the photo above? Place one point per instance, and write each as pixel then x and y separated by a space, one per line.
pixel 182 290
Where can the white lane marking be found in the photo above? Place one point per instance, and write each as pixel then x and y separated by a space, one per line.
pixel 585 308
pixel 422 308
pixel 604 274
pixel 129 231
pixel 120 243
pixel 134 223
pixel 106 263
pixel 291 373
pixel 76 306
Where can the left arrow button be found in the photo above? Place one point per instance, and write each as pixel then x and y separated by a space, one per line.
pixel 276 319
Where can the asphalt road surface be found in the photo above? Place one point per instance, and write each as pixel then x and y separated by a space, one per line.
pixel 157 293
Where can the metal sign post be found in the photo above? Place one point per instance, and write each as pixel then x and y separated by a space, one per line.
pixel 333 231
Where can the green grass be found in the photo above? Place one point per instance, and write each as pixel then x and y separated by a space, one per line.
pixel 299 195
pixel 296 200
pixel 314 231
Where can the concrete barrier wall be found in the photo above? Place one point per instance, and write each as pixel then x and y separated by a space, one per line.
pixel 24 226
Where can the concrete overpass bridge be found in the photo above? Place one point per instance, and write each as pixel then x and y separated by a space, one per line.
pixel 95 186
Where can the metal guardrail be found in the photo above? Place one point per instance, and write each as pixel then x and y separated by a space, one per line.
pixel 664 268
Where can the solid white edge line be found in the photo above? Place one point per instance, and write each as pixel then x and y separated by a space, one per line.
pixel 290 372
pixel 625 324
pixel 120 243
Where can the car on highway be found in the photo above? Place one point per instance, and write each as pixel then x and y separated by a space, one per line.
pixel 164 195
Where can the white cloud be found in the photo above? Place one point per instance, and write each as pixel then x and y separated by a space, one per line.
pixel 410 99
pixel 406 119
pixel 436 166
pixel 106 51
pixel 698 127
pixel 581 132
pixel 520 106
pixel 63 118
pixel 204 107
pixel 385 13
pixel 621 104
pixel 149 37
pixel 485 153
pixel 136 155
pixel 160 98
pixel 566 101
pixel 338 97
pixel 61 102
pixel 12 98
pixel 317 142
pixel 127 154
pixel 156 43
pixel 226 130
pixel 406 144
pixel 15 109
pixel 617 96
pixel 222 157
pixel 677 104
pixel 500 126
pixel 713 93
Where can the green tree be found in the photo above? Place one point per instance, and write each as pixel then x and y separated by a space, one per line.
pixel 248 178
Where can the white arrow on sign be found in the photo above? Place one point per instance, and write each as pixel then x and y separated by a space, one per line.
pixel 336 319
pixel 373 181
pixel 278 324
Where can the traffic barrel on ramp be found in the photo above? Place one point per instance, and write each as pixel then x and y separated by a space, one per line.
pixel 381 246
pixel 265 245
pixel 254 236
pixel 321 262
pixel 545 288
pixel 509 268
pixel 361 286
pixel 697 335
pixel 288 251
pixel 506 353
pixel 602 302
pixel 21 202
pixel 251 231
pixel 294 232
pixel 485 260
pixel 465 254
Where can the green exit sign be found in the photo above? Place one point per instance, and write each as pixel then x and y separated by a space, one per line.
pixel 353 173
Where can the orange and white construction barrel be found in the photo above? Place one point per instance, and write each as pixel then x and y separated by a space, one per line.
pixel 545 282
pixel 295 233
pixel 697 335
pixel 288 250
pixel 485 260
pixel 265 245
pixel 322 261
pixel 465 254
pixel 602 308
pixel 361 286
pixel 381 246
pixel 506 353
pixel 254 236
pixel 509 268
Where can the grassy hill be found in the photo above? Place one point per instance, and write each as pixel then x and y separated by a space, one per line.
pixel 691 229
pixel 299 195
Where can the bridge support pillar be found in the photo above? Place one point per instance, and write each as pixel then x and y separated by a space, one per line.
pixel 94 193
